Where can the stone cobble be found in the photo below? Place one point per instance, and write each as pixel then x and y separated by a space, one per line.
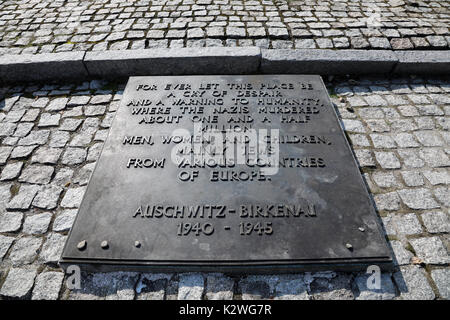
pixel 43 26
pixel 51 136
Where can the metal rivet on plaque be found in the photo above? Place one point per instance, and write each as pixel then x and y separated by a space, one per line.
pixel 349 246
pixel 82 245
pixel 361 229
pixel 137 244
pixel 104 244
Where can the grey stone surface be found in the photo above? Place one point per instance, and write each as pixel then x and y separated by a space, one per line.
pixel 412 178
pixel 353 125
pixel 45 155
pixel 152 286
pixel 5 244
pixel 47 198
pixel 388 224
pixel 14 115
pixel 5 194
pixel 4 154
pixel 63 177
pixel 64 220
pixel 441 278
pixel 7 103
pixel 413 284
pixel 442 194
pixel 219 287
pixel 172 289
pixel 70 124
pixel 10 141
pixel 45 66
pixel 81 140
pixel 47 286
pixel 410 158
pixel 256 288
pixel 111 64
pixel 336 288
pixel 11 171
pixel 23 199
pixel 191 287
pixel 318 61
pixel 10 221
pixel 423 62
pixel 387 201
pixel 106 286
pixel 395 25
pixel 23 129
pixel 431 250
pixel 365 158
pixel 429 139
pixel 291 288
pixel 437 177
pixel 25 250
pixel 7 129
pixel 385 179
pixel 18 283
pixel 74 156
pixel 226 61
pixel 83 175
pixel 405 224
pixel 78 100
pixel 436 222
pixel 100 99
pixel 382 141
pixel 35 137
pixel 22 152
pixel 73 197
pixel 37 224
pixel 59 139
pixel 387 160
pixel 49 120
pixel 402 256
pixel 52 248
pixel 408 224
pixel 57 104
pixel 73 112
pixel 434 158
pixel 420 198
pixel 37 174
pixel 94 110
pixel 94 151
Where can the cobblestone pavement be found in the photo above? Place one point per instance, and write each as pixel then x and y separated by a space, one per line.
pixel 41 26
pixel 51 136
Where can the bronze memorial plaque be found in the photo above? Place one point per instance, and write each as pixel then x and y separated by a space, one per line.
pixel 229 174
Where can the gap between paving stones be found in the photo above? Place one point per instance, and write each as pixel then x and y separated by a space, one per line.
pixel 117 64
